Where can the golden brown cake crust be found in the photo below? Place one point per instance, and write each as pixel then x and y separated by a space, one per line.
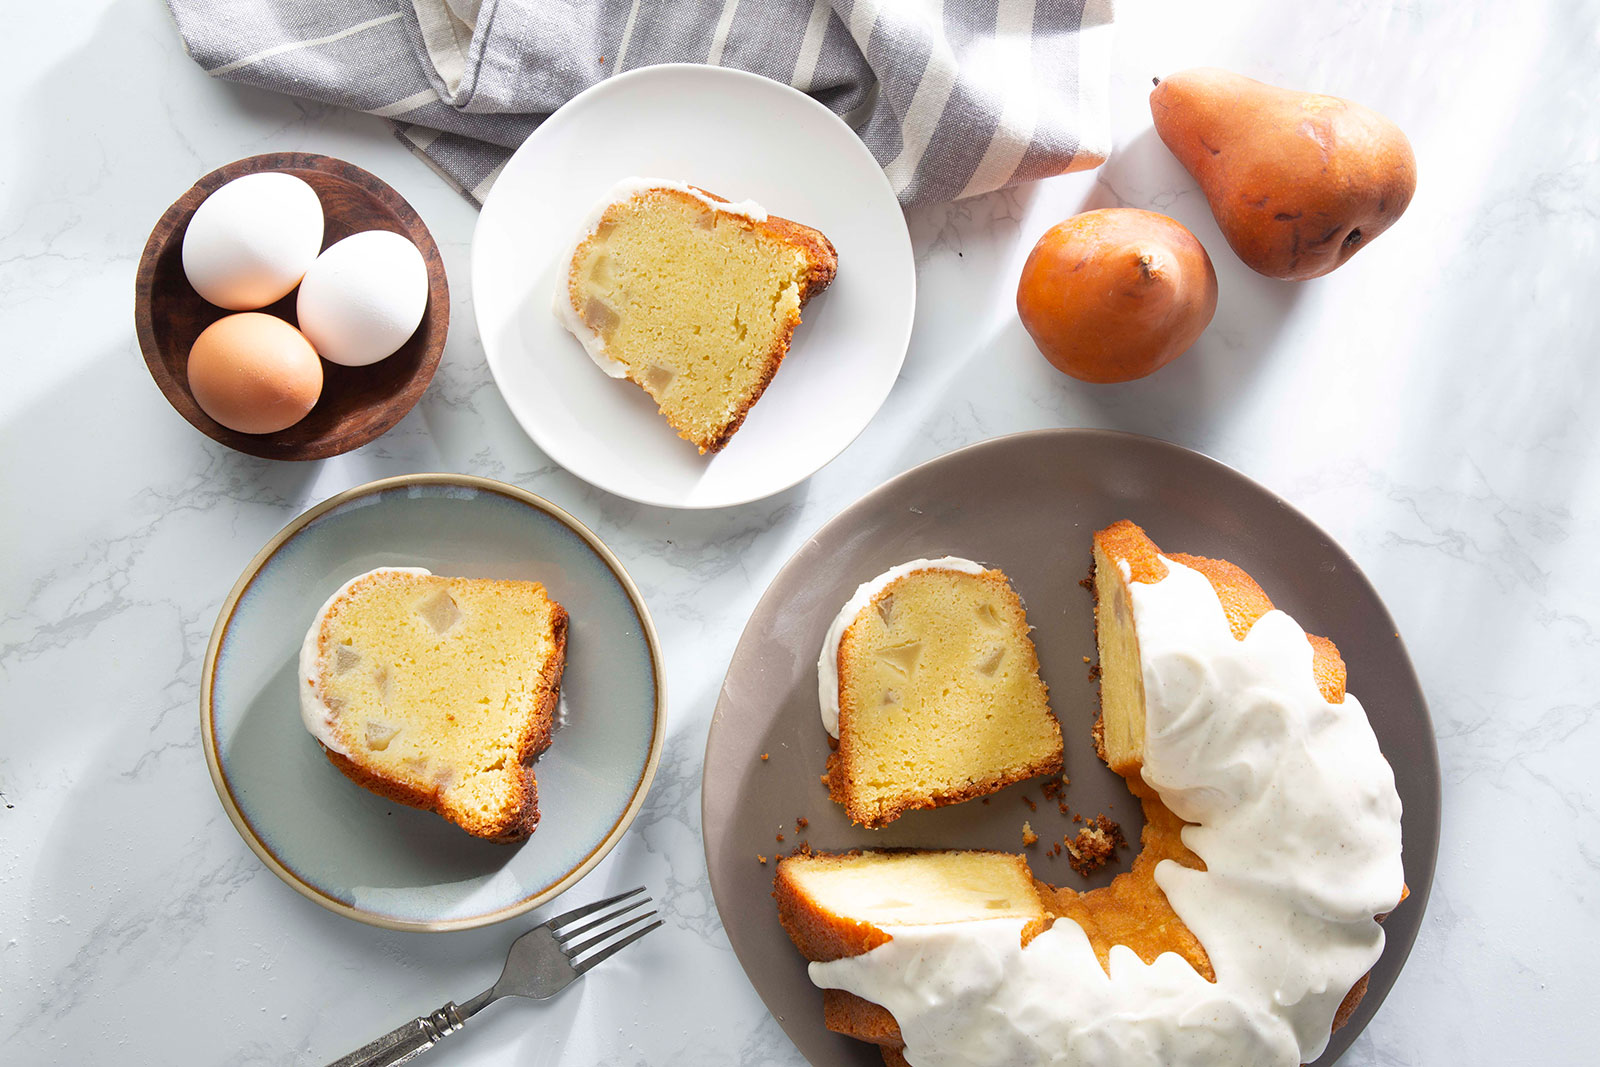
pixel 822 264
pixel 1242 599
pixel 846 1013
pixel 518 819
pixel 818 933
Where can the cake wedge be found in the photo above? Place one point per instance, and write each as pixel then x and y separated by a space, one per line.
pixel 929 684
pixel 692 298
pixel 438 692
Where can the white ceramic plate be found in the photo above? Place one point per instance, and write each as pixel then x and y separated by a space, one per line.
pixel 743 137
pixel 357 853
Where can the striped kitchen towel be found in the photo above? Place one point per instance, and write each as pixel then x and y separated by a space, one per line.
pixel 953 97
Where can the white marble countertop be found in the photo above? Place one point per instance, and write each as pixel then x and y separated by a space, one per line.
pixel 1434 405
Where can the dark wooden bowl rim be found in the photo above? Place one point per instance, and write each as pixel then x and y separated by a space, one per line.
pixel 365 401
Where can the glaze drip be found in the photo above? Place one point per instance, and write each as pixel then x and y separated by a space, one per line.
pixel 1297 820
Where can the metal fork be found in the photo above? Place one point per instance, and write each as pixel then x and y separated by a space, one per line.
pixel 541 963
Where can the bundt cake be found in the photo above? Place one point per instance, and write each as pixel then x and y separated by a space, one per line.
pixel 437 692
pixel 692 298
pixel 1244 930
pixel 930 685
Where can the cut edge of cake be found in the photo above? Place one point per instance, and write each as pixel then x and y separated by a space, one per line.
pixel 1124 553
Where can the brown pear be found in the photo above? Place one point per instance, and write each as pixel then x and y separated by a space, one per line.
pixel 1298 182
pixel 1115 294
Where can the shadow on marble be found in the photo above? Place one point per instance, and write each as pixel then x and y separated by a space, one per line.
pixel 969 225
pixel 1219 372
pixel 125 468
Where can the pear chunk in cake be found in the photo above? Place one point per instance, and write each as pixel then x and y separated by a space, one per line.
pixel 930 684
pixel 438 692
pixel 691 298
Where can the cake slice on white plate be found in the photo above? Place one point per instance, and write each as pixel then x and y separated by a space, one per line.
pixel 692 298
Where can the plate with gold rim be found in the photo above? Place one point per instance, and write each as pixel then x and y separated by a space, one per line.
pixel 362 855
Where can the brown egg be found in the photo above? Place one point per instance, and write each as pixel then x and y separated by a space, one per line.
pixel 254 373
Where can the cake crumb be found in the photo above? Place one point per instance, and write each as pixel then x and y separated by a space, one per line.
pixel 1031 805
pixel 1087 660
pixel 802 822
pixel 1051 789
pixel 1094 673
pixel 985 801
pixel 1088 581
pixel 1094 845
pixel 1028 836
pixel 780 837
pixel 762 859
pixel 764 757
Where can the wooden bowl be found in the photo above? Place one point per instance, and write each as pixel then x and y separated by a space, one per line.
pixel 357 403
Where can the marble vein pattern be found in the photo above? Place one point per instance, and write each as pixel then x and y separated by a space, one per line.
pixel 1434 405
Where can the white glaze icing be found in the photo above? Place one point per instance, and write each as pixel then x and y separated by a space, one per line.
pixel 626 189
pixel 317 716
pixel 1298 822
pixel 828 661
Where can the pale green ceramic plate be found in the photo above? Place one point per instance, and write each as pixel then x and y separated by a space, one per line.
pixel 371 859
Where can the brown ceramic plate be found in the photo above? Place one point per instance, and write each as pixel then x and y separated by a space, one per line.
pixel 1028 504
pixel 357 403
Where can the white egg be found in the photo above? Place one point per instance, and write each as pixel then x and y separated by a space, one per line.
pixel 251 241
pixel 363 297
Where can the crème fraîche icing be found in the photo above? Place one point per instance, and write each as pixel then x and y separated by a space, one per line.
pixel 1294 813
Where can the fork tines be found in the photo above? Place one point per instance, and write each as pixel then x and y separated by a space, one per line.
pixel 611 909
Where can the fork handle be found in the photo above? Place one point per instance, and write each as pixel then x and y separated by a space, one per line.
pixel 408 1040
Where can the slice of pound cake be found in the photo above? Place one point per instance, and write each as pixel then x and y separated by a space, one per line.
pixel 843 904
pixel 930 686
pixel 692 298
pixel 438 692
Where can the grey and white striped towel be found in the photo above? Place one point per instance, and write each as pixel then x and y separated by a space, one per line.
pixel 953 97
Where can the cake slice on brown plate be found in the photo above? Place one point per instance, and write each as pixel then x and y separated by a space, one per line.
pixel 930 683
